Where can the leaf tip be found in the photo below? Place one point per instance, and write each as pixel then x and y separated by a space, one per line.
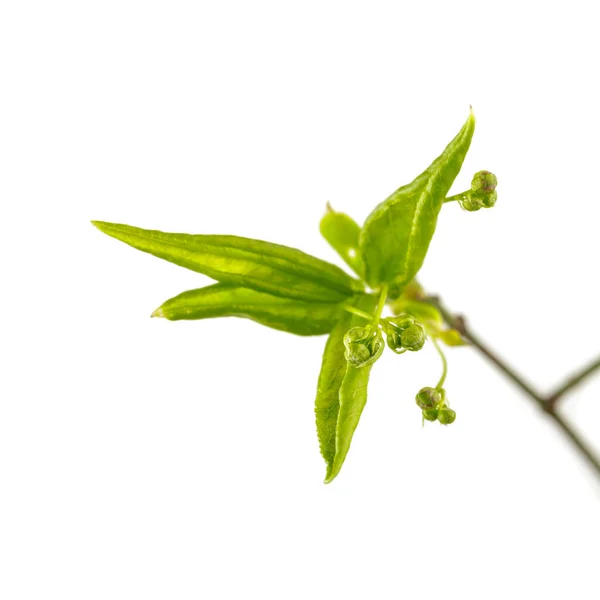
pixel 101 225
pixel 330 475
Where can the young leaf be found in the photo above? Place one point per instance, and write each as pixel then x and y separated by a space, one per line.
pixel 254 264
pixel 226 300
pixel 353 397
pixel 423 311
pixel 396 235
pixel 327 403
pixel 342 233
pixel 451 337
pixel 341 392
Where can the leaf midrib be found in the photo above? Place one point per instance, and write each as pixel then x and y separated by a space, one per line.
pixel 282 264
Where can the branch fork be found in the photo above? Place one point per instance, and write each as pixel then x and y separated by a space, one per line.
pixel 549 403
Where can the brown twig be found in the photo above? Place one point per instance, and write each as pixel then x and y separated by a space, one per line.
pixel 574 380
pixel 548 403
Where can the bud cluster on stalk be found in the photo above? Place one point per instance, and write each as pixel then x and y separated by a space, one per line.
pixel 482 193
pixel 434 405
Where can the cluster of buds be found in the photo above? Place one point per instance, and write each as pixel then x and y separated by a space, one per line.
pixel 433 403
pixel 364 345
pixel 403 333
pixel 482 193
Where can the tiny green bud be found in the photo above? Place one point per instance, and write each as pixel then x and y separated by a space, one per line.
pixel 401 322
pixel 403 333
pixel 363 346
pixel 482 193
pixel 430 414
pixel 394 342
pixel 484 181
pixel 360 354
pixel 469 204
pixel 428 398
pixel 356 334
pixel 446 416
pixel 413 338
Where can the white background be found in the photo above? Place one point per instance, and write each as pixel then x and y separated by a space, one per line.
pixel 146 459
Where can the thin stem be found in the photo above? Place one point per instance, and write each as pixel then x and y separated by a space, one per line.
pixel 459 324
pixel 380 306
pixel 509 371
pixel 365 315
pixel 358 312
pixel 577 441
pixel 547 404
pixel 444 364
pixel 456 197
pixel 573 381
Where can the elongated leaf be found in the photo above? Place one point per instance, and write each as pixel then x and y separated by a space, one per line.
pixel 353 397
pixel 396 235
pixel 336 388
pixel 327 403
pixel 248 263
pixel 226 300
pixel 342 233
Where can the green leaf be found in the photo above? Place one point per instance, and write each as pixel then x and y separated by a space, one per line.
pixel 423 311
pixel 327 403
pixel 341 393
pixel 353 397
pixel 226 300
pixel 248 263
pixel 342 233
pixel 451 337
pixel 396 235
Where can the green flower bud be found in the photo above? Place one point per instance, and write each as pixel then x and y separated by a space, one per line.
pixel 446 416
pixel 430 414
pixel 363 346
pixel 403 333
pixel 401 322
pixel 483 192
pixel 413 338
pixel 428 398
pixel 484 182
pixel 444 398
pixel 489 200
pixel 354 335
pixel 359 354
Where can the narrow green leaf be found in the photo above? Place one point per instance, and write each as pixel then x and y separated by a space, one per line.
pixel 248 263
pixel 341 392
pixel 353 397
pixel 396 235
pixel 226 300
pixel 327 403
pixel 342 233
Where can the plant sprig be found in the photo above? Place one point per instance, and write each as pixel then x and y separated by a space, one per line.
pixel 287 289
